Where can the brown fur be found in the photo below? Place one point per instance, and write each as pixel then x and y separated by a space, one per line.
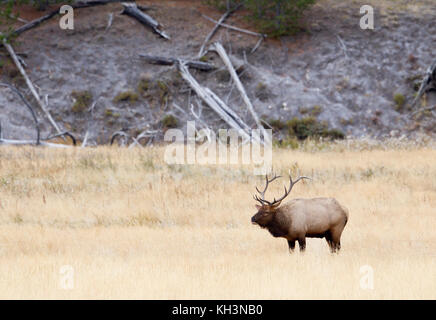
pixel 299 219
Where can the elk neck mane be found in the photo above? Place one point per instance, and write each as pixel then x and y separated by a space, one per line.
pixel 279 225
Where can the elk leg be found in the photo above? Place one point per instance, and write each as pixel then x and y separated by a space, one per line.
pixel 328 238
pixel 302 244
pixel 336 239
pixel 291 244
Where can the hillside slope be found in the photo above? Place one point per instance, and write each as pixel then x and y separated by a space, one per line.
pixel 334 71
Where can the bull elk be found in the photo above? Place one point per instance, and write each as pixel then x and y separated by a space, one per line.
pixel 299 219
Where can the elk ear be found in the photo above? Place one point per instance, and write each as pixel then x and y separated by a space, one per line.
pixel 258 207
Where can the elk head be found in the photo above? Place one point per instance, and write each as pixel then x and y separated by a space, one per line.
pixel 267 209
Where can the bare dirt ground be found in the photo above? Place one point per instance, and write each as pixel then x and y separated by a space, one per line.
pixel 351 74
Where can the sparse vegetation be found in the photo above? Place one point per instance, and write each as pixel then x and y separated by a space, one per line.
pixel 204 58
pixel 399 100
pixel 316 111
pixel 310 127
pixel 143 86
pixel 108 112
pixel 169 121
pixel 276 124
pixel 288 142
pixel 262 91
pixel 127 96
pixel 164 91
pixel 307 127
pixel 346 122
pixel 303 110
pixel 82 99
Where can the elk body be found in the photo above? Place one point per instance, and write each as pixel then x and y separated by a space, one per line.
pixel 299 219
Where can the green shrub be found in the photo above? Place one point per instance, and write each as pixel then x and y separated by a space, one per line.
pixel 143 86
pixel 83 100
pixel 277 124
pixel 399 100
pixel 335 134
pixel 310 127
pixel 204 59
pixel 262 92
pixel 316 111
pixel 274 17
pixel 127 96
pixel 278 17
pixel 169 121
pixel 303 110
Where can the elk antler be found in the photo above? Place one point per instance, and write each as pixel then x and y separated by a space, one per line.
pixel 287 191
pixel 262 194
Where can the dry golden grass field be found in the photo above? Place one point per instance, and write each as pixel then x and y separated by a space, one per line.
pixel 126 225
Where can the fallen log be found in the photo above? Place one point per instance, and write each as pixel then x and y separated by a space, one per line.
pixel 132 10
pixel 216 104
pixel 203 66
pixel 223 54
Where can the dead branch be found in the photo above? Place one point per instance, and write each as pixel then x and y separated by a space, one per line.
pixel 222 53
pixel 62 134
pixel 423 110
pixel 132 10
pixel 343 46
pixel 257 45
pixel 202 123
pixel 28 105
pixel 144 134
pixel 85 139
pixel 203 66
pixel 119 134
pixel 214 30
pixel 109 21
pixel 428 82
pixel 256 34
pixel 30 85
